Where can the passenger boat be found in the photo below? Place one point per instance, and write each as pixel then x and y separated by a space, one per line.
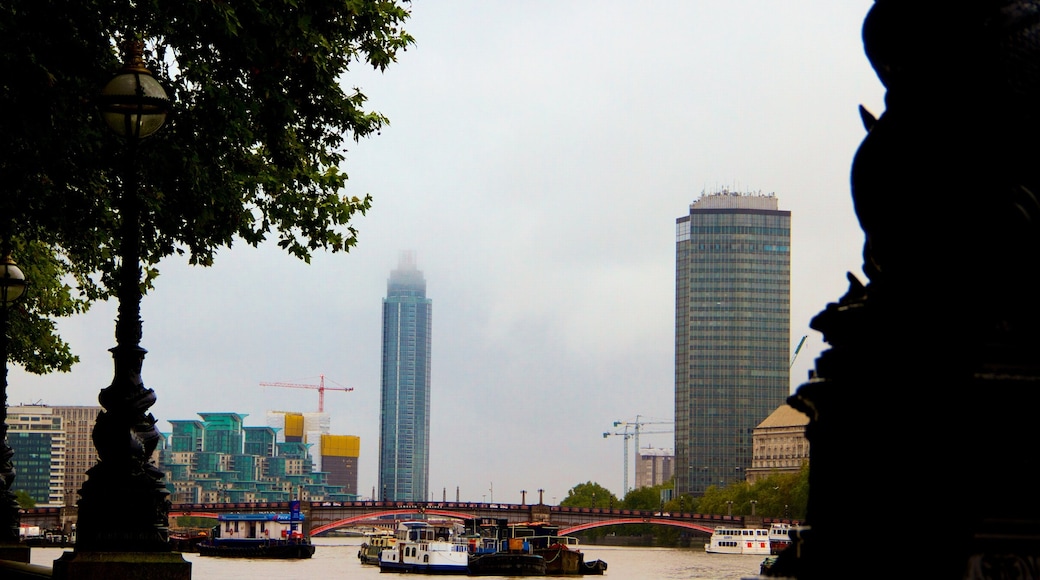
pixel 264 535
pixel 373 545
pixel 493 552
pixel 562 555
pixel 779 536
pixel 739 541
pixel 424 547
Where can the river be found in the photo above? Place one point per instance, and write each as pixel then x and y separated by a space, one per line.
pixel 336 558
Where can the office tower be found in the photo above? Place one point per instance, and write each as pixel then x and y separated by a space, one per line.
pixel 80 453
pixel 71 453
pixel 37 436
pixel 732 332
pixel 654 466
pixel 404 433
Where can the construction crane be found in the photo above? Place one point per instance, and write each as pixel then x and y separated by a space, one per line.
pixel 796 349
pixel 634 434
pixel 637 424
pixel 320 387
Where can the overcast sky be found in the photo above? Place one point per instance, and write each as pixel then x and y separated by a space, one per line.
pixel 538 155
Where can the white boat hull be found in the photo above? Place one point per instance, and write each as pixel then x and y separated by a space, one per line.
pixel 739 541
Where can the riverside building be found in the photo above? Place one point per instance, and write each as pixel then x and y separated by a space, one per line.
pixel 404 430
pixel 220 459
pixel 732 332
pixel 53 450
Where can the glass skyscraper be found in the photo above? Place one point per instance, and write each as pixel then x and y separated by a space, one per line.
pixel 732 332
pixel 404 432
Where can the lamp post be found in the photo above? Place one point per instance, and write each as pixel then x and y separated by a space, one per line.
pixel 729 507
pixel 134 106
pixel 12 285
pixel 753 503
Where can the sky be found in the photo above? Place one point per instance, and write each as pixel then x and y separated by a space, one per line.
pixel 537 157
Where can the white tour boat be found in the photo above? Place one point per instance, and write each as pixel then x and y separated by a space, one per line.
pixel 780 536
pixel 426 548
pixel 739 541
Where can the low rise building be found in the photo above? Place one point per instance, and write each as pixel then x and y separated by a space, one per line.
pixel 779 444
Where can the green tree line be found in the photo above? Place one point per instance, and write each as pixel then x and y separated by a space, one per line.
pixel 777 496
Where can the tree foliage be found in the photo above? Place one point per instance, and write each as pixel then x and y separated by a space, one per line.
pixel 25 501
pixel 253 147
pixel 589 494
pixel 779 495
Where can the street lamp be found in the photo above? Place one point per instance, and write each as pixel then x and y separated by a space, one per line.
pixel 12 285
pixel 134 106
pixel 753 502
pixel 729 507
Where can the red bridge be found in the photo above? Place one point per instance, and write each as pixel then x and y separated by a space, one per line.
pixel 322 517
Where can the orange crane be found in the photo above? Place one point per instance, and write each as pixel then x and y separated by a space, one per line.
pixel 320 387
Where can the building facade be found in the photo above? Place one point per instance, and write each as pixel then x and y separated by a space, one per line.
pixel 779 443
pixel 339 456
pixel 220 459
pixel 404 433
pixel 53 450
pixel 732 332
pixel 80 453
pixel 654 466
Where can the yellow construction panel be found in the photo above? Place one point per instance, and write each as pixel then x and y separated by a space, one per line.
pixel 294 425
pixel 340 446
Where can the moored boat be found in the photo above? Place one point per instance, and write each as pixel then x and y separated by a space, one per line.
pixel 374 544
pixel 187 540
pixel 725 540
pixel 562 555
pixel 423 547
pixel 263 535
pixel 493 552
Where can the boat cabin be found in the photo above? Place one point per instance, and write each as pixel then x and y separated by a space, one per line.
pixel 262 526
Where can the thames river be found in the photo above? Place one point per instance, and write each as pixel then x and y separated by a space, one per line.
pixel 336 558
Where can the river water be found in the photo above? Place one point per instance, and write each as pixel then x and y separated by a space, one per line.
pixel 336 558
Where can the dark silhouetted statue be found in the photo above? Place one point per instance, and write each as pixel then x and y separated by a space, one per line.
pixel 925 410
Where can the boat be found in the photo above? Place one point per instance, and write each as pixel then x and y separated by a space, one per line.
pixel 424 547
pixel 779 536
pixel 493 552
pixel 562 555
pixel 187 539
pixel 262 535
pixel 373 545
pixel 726 540
pixel 766 566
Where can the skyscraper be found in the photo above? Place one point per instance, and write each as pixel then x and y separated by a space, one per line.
pixel 732 332
pixel 404 432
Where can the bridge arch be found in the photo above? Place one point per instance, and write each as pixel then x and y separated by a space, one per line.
pixel 317 530
pixel 656 521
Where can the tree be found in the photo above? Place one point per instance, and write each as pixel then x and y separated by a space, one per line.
pixel 252 149
pixel 779 495
pixel 643 498
pixel 25 501
pixel 588 494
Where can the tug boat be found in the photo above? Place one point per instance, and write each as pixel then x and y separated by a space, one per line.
pixel 374 545
pixel 494 552
pixel 423 547
pixel 562 555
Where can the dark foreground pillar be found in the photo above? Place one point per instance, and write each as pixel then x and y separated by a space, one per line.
pixel 923 414
pixel 122 565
